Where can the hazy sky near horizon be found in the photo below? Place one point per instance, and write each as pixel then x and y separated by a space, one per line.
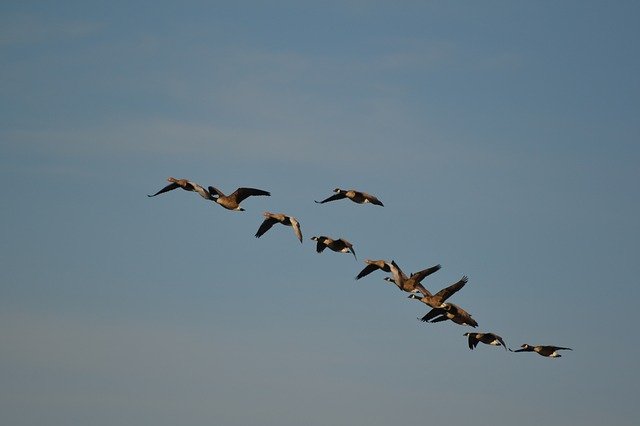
pixel 502 137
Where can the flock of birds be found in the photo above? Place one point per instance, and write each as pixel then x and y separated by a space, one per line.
pixel 441 310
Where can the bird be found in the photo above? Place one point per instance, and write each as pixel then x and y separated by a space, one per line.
pixel 372 265
pixel 233 200
pixel 486 338
pixel 436 300
pixel 355 196
pixel 548 351
pixel 448 311
pixel 185 184
pixel 340 245
pixel 273 218
pixel 412 283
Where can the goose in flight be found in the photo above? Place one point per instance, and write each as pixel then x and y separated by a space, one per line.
pixel 549 351
pixel 373 265
pixel 412 283
pixel 486 338
pixel 271 219
pixel 185 184
pixel 355 196
pixel 447 311
pixel 340 245
pixel 233 200
pixel 436 300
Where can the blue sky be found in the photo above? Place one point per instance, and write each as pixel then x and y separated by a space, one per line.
pixel 501 136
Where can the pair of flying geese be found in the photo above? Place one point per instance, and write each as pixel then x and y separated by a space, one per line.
pixel 440 309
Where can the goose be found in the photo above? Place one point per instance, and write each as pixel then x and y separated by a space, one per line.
pixel 436 300
pixel 411 284
pixel 447 311
pixel 233 200
pixel 549 351
pixel 372 265
pixel 273 218
pixel 340 245
pixel 185 184
pixel 486 338
pixel 355 196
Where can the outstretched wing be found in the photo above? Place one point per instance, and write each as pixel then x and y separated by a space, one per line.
pixel 420 275
pixel 265 226
pixel 432 314
pixel 296 227
pixel 367 270
pixel 559 348
pixel 501 341
pixel 334 197
pixel 167 188
pixel 372 199
pixel 320 245
pixel 447 292
pixel 243 193
pixel 473 341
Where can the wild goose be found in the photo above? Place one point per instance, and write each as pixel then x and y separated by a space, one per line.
pixel 436 300
pixel 355 196
pixel 372 265
pixel 273 218
pixel 411 284
pixel 184 184
pixel 340 245
pixel 447 311
pixel 549 351
pixel 486 338
pixel 233 200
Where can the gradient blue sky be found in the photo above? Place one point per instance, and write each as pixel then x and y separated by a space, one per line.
pixel 503 138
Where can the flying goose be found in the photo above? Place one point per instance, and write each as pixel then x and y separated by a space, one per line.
pixel 447 311
pixel 372 265
pixel 411 284
pixel 184 184
pixel 233 200
pixel 355 196
pixel 340 245
pixel 486 338
pixel 550 351
pixel 273 218
pixel 436 300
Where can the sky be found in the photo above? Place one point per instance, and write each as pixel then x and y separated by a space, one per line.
pixel 502 138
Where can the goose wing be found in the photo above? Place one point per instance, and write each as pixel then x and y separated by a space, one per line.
pixel 296 227
pixel 334 197
pixel 265 226
pixel 473 341
pixel 432 314
pixel 243 193
pixel 558 348
pixel 200 190
pixel 367 270
pixel 447 292
pixel 372 199
pixel 501 341
pixel 420 275
pixel 167 188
